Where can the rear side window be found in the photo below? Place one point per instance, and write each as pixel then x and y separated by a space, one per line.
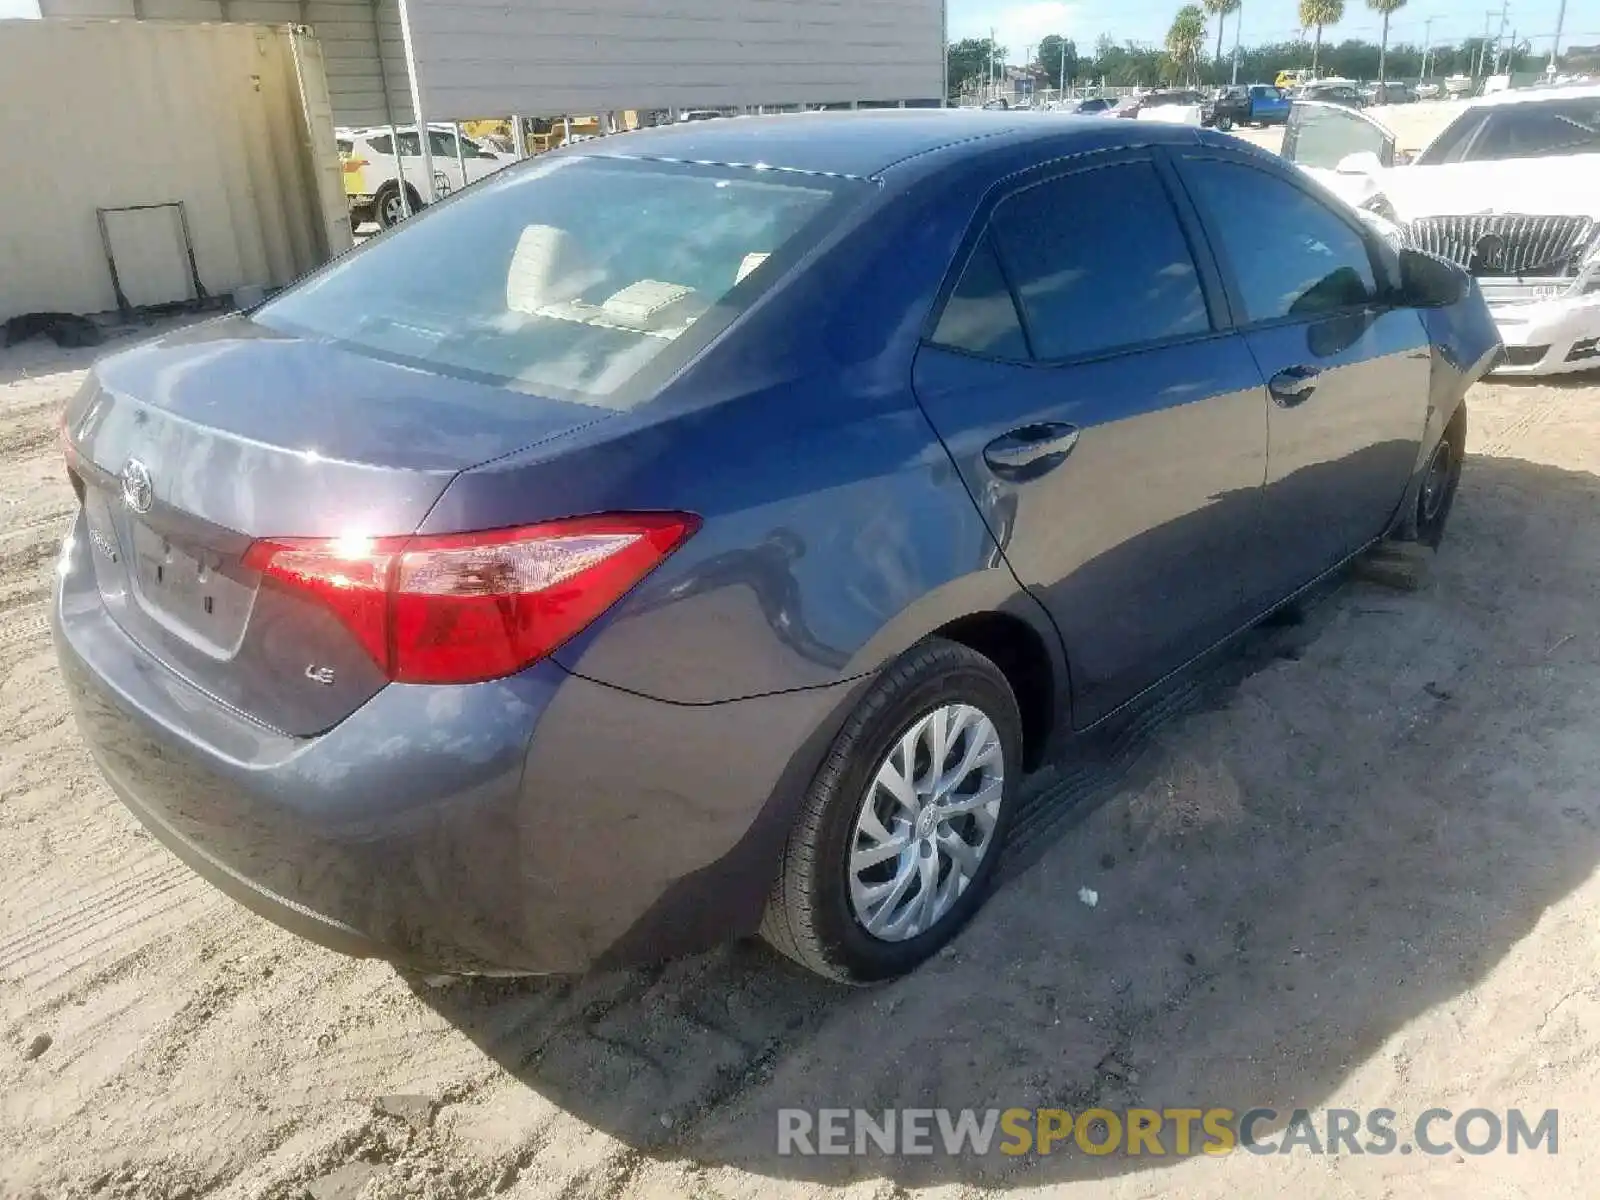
pixel 346 146
pixel 1291 255
pixel 980 317
pixel 382 144
pixel 1099 262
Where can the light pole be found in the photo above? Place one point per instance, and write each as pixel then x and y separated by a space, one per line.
pixel 1238 20
pixel 1555 46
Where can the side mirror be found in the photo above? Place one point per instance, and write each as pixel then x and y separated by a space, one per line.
pixel 1428 281
pixel 1362 162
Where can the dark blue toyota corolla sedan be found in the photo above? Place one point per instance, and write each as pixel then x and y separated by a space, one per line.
pixel 703 531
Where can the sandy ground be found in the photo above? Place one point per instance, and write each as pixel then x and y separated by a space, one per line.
pixel 1355 868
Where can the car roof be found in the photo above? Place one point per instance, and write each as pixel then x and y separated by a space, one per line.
pixel 859 144
pixel 1531 95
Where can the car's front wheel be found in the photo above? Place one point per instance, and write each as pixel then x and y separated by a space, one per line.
pixel 897 839
pixel 1225 124
pixel 1436 493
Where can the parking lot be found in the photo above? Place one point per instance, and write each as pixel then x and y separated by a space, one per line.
pixel 1354 867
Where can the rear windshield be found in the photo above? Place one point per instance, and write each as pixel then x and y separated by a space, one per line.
pixel 568 278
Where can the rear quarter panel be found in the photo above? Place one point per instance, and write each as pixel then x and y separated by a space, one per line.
pixel 836 531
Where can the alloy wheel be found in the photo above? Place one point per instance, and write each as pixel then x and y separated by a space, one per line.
pixel 926 822
pixel 1436 482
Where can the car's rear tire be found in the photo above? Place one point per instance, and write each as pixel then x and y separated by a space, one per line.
pixel 1225 124
pixel 893 851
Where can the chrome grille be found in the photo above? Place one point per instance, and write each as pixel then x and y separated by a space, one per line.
pixel 1506 244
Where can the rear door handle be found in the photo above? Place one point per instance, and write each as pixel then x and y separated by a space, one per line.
pixel 1293 385
pixel 1031 450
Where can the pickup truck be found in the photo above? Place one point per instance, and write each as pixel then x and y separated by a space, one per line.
pixel 1250 104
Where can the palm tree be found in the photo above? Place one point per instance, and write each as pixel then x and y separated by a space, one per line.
pixel 1388 8
pixel 1220 9
pixel 1320 13
pixel 1186 38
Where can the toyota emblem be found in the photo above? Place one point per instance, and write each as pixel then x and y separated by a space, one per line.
pixel 138 493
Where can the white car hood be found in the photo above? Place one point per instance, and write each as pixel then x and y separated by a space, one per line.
pixel 1569 184
pixel 1173 114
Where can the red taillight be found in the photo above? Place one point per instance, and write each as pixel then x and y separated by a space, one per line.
pixel 459 608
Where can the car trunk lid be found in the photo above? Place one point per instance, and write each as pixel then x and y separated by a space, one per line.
pixel 193 447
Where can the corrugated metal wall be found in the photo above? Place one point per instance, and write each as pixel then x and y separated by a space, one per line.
pixel 150 112
pixel 350 32
pixel 490 58
pixel 481 57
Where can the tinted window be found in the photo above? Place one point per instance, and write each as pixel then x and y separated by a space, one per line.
pixel 382 144
pixel 1099 262
pixel 565 278
pixel 441 145
pixel 346 146
pixel 1291 255
pixel 410 144
pixel 1570 126
pixel 980 315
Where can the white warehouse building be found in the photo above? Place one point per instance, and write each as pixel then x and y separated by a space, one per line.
pixel 461 59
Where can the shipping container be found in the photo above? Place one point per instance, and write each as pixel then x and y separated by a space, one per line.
pixel 154 162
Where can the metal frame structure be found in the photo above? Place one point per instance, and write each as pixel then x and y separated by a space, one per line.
pixel 123 306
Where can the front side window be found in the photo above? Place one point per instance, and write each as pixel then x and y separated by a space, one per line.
pixel 1290 254
pixel 1099 262
pixel 565 278
pixel 382 144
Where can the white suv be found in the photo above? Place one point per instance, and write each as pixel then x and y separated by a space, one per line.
pixel 372 169
pixel 1510 189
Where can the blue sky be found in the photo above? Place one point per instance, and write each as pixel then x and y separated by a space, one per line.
pixel 1020 23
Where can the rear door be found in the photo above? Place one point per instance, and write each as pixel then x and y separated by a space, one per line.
pixel 1347 369
pixel 1110 428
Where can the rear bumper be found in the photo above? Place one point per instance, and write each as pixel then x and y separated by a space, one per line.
pixel 541 823
pixel 1549 337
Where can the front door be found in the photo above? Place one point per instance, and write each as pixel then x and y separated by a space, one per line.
pixel 1347 368
pixel 1112 431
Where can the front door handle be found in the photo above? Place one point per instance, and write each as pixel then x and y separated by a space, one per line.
pixel 1293 385
pixel 1031 450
